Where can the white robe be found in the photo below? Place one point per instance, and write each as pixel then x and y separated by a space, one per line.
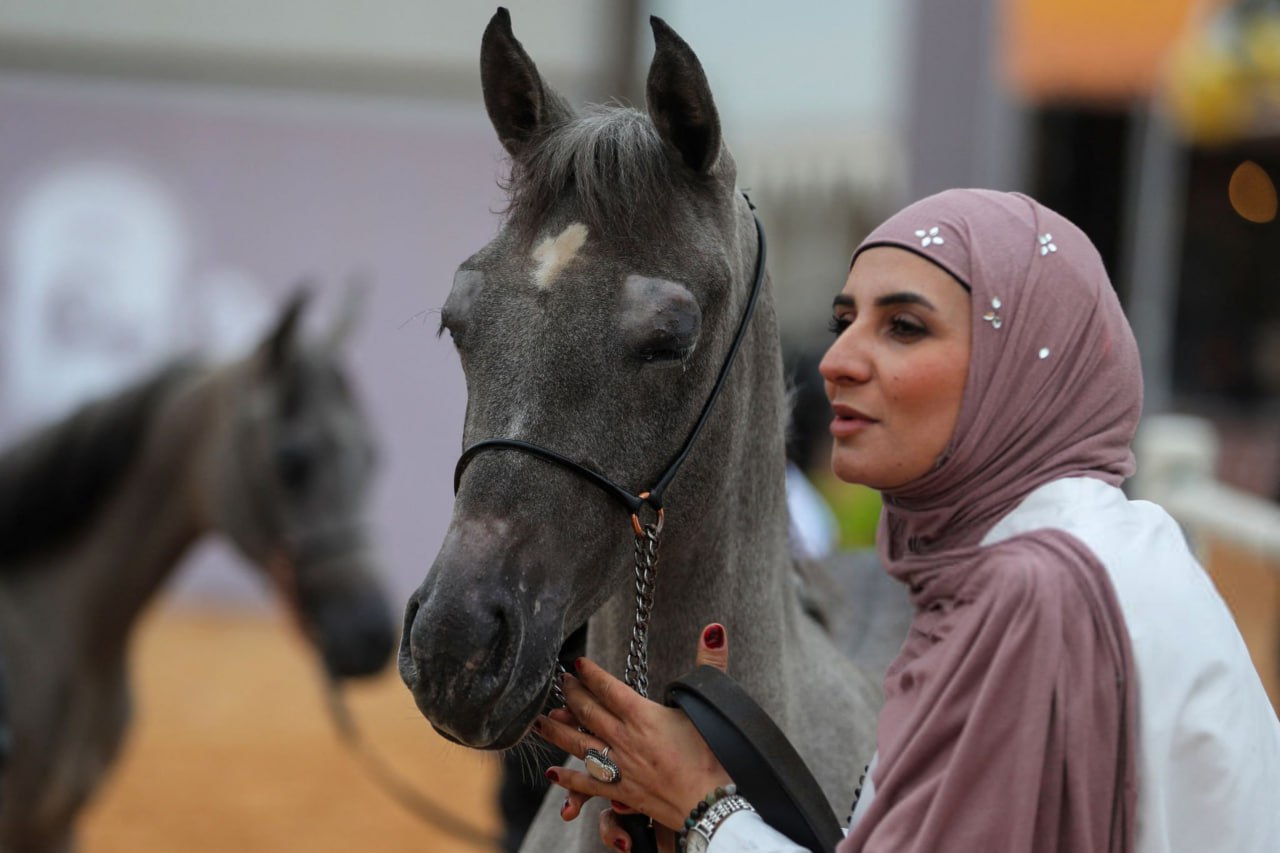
pixel 1208 739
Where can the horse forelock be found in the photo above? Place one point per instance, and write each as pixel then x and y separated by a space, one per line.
pixel 609 163
pixel 54 481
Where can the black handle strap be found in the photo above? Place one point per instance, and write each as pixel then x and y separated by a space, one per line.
pixel 764 765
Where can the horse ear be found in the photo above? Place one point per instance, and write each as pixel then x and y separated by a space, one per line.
pixel 680 101
pixel 279 342
pixel 519 102
pixel 353 301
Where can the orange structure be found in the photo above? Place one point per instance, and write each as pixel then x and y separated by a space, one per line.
pixel 1091 49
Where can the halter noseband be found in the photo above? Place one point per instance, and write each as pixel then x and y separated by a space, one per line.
pixel 652 497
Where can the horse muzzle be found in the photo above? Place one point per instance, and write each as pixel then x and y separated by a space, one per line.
pixel 477 675
pixel 338 604
pixel 356 637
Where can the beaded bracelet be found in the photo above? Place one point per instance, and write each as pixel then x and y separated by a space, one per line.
pixel 857 792
pixel 696 813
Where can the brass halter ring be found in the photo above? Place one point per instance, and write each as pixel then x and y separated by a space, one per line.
pixel 635 518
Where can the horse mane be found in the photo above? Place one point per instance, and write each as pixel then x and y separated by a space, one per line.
pixel 609 160
pixel 56 479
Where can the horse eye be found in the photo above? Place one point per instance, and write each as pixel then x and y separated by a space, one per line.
pixel 293 464
pixel 664 348
pixel 670 343
pixel 659 320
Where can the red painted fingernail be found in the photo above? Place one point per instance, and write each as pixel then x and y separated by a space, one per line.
pixel 620 844
pixel 713 636
pixel 577 664
pixel 552 775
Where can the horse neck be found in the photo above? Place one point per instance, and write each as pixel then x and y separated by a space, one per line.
pixel 727 560
pixel 156 515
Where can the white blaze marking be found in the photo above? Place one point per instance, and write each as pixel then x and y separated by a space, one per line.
pixel 552 254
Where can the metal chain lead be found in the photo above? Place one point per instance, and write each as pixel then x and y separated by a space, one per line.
pixel 637 672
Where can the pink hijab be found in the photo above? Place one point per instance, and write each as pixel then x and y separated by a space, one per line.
pixel 1008 717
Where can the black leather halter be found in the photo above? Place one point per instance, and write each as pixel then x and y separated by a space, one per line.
pixel 652 497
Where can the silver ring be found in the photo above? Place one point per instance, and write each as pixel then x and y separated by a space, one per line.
pixel 601 767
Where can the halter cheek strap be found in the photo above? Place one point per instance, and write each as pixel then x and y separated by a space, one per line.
pixel 653 497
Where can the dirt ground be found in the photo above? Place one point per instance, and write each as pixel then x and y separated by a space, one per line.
pixel 232 750
pixel 1250 584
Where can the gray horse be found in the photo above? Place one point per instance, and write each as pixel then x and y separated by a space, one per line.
pixel 95 512
pixel 595 324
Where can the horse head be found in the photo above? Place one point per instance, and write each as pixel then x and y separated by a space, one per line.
pixel 291 473
pixel 593 325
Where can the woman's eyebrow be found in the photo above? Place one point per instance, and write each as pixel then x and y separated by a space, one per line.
pixel 906 297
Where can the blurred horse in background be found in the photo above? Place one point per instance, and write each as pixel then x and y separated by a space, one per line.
pixel 270 450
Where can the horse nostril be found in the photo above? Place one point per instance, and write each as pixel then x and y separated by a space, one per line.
pixel 495 648
pixel 422 631
pixel 502 629
pixel 410 611
pixel 405 652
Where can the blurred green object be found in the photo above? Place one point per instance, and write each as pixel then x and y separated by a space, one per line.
pixel 1223 75
pixel 856 508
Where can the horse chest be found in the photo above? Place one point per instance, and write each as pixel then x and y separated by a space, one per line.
pixel 67 722
pixel 60 758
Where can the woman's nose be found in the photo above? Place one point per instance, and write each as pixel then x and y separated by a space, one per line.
pixel 846 360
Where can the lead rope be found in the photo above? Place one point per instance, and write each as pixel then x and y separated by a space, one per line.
pixel 395 785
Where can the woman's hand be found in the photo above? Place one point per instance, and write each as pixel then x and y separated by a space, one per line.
pixel 664 764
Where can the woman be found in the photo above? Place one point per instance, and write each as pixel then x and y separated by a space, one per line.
pixel 1071 679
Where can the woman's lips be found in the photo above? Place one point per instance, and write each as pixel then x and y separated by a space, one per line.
pixel 849 421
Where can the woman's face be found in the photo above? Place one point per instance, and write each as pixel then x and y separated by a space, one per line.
pixel 896 372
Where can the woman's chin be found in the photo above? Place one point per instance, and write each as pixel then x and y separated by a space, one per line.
pixel 852 467
pixel 859 473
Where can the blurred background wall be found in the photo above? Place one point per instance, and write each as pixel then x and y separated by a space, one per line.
pixel 168 170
